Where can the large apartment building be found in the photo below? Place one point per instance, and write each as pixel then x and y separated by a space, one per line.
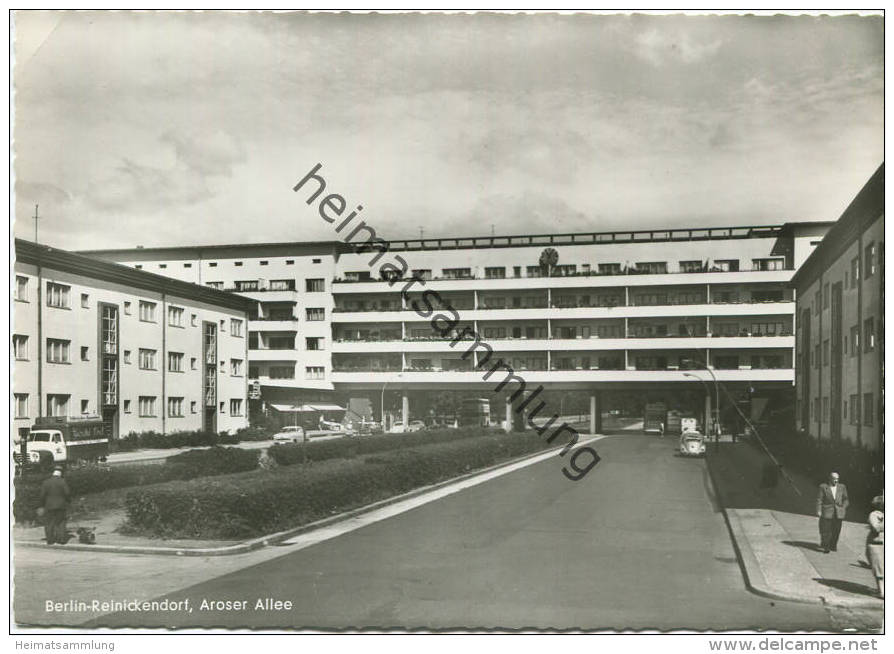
pixel 841 326
pixel 143 351
pixel 659 309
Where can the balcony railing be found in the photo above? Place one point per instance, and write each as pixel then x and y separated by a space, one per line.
pixel 469 337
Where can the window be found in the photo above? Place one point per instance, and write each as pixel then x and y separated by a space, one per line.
pixel 57 350
pixel 85 300
pixel 315 285
pixel 147 311
pixel 691 266
pixel 175 407
pixel 193 320
pixel 85 406
pixel 816 356
pixel 869 334
pixel 855 271
pixel 85 351
pixel 223 325
pixel 126 356
pixel 21 405
pixel 147 406
pixel 138 266
pixel 57 295
pixel 725 265
pixel 315 315
pixel 147 359
pixel 826 295
pixel 358 276
pixel 495 272
pixel 162 265
pixel 192 363
pixel 222 409
pixel 816 409
pixel 767 264
pixel 855 340
pixel 766 328
pixel 318 261
pixel 126 406
pixel 609 268
pixel 313 343
pixel 314 372
pixel 127 308
pixel 282 284
pixel 175 316
pixel 57 405
pixel 193 407
pixel 457 273
pixel 651 267
pixel 817 303
pixel 250 285
pixel 236 367
pixel 21 288
pixel 263 262
pixel 236 407
pixel 237 264
pixel 855 409
pixel 826 352
pixel 282 372
pixel 20 347
pixel 187 265
pixel 291 262
pixel 217 285
pixel 422 273
pixel 236 327
pixel 868 409
pixel 826 409
pixel 175 361
pixel 868 261
pixel 212 264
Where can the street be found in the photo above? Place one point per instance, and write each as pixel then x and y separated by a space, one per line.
pixel 638 544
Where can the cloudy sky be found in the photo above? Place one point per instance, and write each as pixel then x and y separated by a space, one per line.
pixel 170 129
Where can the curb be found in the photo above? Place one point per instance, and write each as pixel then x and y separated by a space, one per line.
pixel 757 583
pixel 273 539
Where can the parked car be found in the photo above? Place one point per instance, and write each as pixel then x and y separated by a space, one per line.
pixel 692 443
pixel 290 434
pixel 330 425
pixel 414 425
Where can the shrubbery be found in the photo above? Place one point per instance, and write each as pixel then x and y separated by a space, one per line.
pixel 258 503
pixel 95 479
pixel 155 440
pixel 344 448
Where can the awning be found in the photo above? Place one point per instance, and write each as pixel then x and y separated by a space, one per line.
pixel 306 408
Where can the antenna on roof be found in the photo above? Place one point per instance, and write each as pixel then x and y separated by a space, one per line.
pixel 36 218
pixel 421 232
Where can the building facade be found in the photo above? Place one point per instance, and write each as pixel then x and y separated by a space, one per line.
pixel 841 318
pixel 143 351
pixel 661 309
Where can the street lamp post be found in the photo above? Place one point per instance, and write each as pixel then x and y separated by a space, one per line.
pixel 716 417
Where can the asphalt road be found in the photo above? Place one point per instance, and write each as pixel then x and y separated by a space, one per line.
pixel 637 544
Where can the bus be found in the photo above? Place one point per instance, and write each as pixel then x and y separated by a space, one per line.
pixel 474 412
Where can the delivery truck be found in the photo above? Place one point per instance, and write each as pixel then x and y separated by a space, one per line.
pixel 65 440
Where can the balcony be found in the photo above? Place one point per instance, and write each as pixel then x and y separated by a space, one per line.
pixel 290 354
pixel 273 325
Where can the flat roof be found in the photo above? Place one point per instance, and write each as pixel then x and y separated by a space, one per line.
pixel 517 240
pixel 56 259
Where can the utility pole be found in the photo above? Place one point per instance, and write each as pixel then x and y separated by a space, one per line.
pixel 36 218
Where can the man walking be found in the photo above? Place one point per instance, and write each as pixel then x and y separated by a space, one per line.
pixel 831 507
pixel 54 497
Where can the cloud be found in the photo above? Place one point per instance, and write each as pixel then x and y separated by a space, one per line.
pixel 662 47
pixel 199 161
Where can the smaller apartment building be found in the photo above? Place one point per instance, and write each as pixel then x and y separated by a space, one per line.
pixel 840 293
pixel 145 352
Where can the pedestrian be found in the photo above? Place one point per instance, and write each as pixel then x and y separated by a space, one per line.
pixel 875 542
pixel 54 499
pixel 831 508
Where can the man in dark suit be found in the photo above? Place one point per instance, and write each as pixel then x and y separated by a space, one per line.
pixel 54 498
pixel 831 507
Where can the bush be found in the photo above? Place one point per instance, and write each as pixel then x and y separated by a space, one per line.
pixel 155 440
pixel 95 479
pixel 253 504
pixel 345 448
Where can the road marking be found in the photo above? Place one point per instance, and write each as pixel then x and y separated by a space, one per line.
pixel 327 533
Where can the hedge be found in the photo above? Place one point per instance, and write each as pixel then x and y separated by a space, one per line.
pixel 262 502
pixel 95 479
pixel 346 448
pixel 156 440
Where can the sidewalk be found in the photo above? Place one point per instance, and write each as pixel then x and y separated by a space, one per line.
pixel 777 537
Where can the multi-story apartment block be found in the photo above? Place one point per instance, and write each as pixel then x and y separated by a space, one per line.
pixel 143 351
pixel 841 326
pixel 592 311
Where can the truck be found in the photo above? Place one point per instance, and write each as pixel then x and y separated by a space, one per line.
pixel 474 412
pixel 65 440
pixel 655 417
